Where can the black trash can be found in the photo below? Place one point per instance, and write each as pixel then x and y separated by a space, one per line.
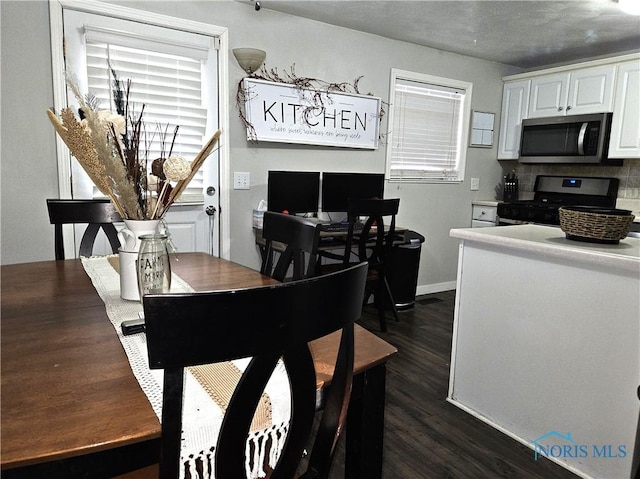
pixel 402 274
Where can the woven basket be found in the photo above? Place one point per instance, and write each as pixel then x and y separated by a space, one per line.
pixel 584 223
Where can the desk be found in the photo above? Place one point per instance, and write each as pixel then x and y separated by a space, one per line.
pixel 70 401
pixel 329 240
pixel 339 238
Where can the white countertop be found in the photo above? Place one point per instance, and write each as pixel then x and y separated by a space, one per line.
pixel 549 240
pixel 632 204
pixel 485 202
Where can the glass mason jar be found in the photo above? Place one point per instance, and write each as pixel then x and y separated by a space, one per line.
pixel 154 268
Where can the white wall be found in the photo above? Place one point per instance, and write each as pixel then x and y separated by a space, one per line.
pixel 28 163
pixel 317 50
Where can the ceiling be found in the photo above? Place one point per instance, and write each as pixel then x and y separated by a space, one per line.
pixel 528 34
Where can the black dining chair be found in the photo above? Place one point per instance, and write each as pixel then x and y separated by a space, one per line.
pixel 190 329
pixel 96 213
pixel 294 241
pixel 371 241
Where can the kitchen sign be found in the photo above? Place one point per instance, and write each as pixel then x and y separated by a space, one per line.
pixel 285 113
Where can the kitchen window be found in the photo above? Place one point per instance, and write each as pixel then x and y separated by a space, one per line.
pixel 428 128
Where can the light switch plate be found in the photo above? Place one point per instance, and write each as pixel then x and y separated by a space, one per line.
pixel 241 180
pixel 475 184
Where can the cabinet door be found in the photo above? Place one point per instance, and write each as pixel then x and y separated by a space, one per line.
pixel 515 107
pixel 591 90
pixel 625 124
pixel 549 95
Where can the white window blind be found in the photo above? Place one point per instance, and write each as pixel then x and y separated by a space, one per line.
pixel 167 79
pixel 428 131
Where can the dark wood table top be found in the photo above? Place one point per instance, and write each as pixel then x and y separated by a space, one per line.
pixel 67 387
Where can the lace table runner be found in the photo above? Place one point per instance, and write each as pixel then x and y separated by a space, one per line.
pixel 207 388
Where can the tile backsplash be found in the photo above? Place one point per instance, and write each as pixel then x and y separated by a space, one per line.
pixel 628 174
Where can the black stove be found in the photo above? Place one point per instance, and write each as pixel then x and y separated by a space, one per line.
pixel 552 192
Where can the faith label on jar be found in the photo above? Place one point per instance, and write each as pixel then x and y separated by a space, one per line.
pixel 154 267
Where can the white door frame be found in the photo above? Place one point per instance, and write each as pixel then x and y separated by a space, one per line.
pixel 60 97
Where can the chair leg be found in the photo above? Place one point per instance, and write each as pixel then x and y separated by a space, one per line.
pixel 368 291
pixel 391 300
pixel 379 304
pixel 382 318
pixel 381 291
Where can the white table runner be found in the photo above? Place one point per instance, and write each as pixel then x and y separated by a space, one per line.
pixel 202 417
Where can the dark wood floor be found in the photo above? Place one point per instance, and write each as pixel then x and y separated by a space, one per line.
pixel 427 437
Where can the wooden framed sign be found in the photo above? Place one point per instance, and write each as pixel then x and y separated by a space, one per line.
pixel 284 113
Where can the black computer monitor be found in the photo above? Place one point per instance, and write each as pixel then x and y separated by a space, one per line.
pixel 337 188
pixel 293 191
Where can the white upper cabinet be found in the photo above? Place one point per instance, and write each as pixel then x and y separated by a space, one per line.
pixel 515 107
pixel 591 90
pixel 587 90
pixel 548 95
pixel 625 124
pixel 606 85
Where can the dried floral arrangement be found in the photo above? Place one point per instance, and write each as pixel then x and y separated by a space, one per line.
pixel 113 148
pixel 319 89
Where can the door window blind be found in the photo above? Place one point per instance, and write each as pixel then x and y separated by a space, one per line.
pixel 426 132
pixel 167 79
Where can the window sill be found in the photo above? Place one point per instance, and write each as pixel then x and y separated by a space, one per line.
pixel 424 180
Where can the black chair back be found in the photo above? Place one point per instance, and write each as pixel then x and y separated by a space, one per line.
pixel 374 241
pixel 374 244
pixel 297 241
pixel 264 323
pixel 97 213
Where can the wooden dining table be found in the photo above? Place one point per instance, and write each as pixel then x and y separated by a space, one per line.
pixel 71 405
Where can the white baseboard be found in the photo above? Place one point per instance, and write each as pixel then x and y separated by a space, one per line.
pixel 435 288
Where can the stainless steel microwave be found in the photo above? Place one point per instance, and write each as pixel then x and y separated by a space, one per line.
pixel 567 139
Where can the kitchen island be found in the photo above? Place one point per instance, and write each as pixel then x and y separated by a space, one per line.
pixel 546 344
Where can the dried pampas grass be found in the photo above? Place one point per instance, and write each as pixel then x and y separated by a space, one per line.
pixel 79 142
pixel 120 184
pixel 196 164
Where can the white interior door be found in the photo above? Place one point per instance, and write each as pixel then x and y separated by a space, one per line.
pixel 193 222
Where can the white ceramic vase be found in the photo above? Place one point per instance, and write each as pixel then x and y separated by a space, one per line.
pixel 129 236
pixel 130 241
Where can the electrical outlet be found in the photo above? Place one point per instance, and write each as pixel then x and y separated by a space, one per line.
pixel 475 184
pixel 241 180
